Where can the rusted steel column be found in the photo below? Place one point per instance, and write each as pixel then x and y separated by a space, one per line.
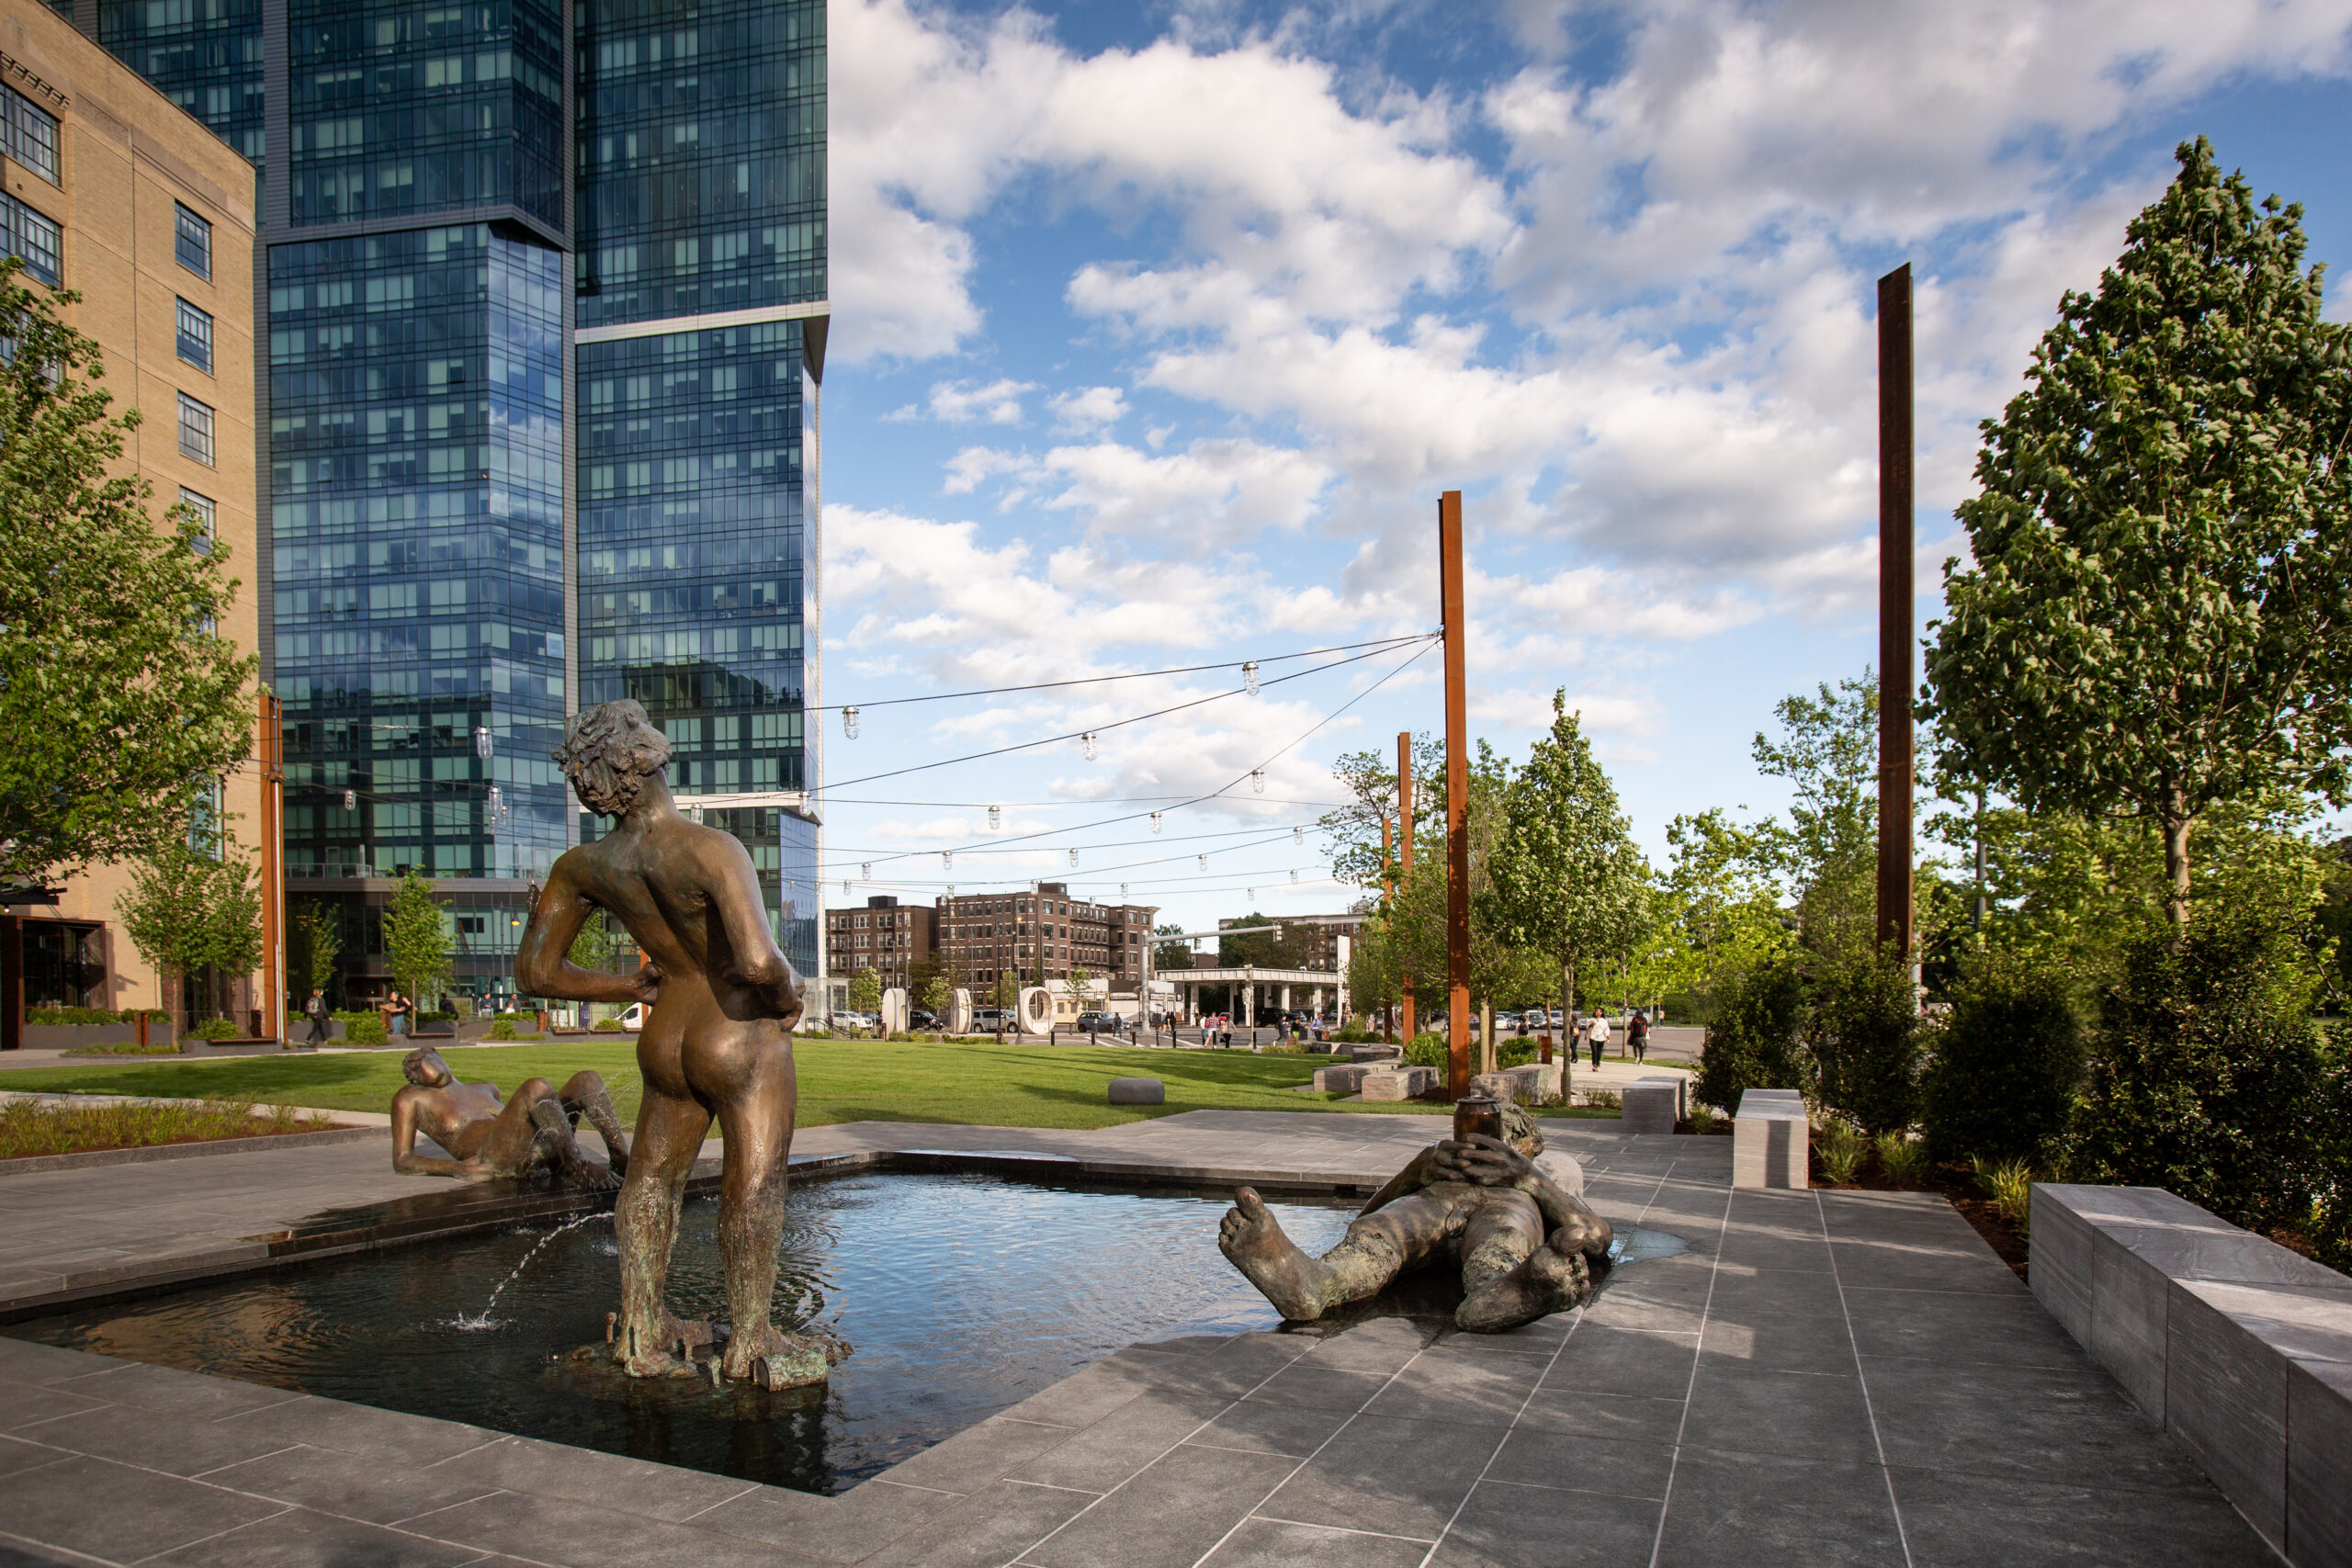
pixel 1405 858
pixel 1898 654
pixel 1457 800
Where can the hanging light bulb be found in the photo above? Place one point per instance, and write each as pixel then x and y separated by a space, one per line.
pixel 951 890
pixel 1250 677
pixel 1293 873
pixel 492 802
pixel 1249 894
pixel 1203 859
pixel 844 887
pixel 1257 781
pixel 1122 892
pixel 996 818
pixel 1086 744
pixel 351 800
pixel 948 859
pixel 849 721
pixel 865 870
pixel 1155 821
pixel 1073 860
pixel 1298 835
pixel 481 742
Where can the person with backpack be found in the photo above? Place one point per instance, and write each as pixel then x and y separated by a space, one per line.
pixel 1637 1035
pixel 315 1009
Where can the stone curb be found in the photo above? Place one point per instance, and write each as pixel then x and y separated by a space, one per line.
pixel 24 1165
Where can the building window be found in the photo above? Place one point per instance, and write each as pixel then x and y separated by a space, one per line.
pixel 205 518
pixel 30 133
pixel 41 242
pixel 196 430
pixel 192 241
pixel 195 337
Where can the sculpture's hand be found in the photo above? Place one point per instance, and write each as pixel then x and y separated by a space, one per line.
pixel 1483 1161
pixel 646 984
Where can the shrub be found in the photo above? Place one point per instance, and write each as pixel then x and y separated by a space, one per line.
pixel 361 1028
pixel 502 1029
pixel 1752 1043
pixel 1864 1030
pixel 1841 1148
pixel 602 1026
pixel 1902 1160
pixel 2206 1077
pixel 2008 1062
pixel 79 1015
pixel 1427 1051
pixel 214 1028
pixel 2009 1185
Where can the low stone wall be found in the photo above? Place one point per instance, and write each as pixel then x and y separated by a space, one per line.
pixel 2240 1348
pixel 1399 1083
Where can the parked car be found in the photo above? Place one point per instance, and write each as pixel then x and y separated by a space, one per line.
pixel 921 1018
pixel 1098 1023
pixel 633 1017
pixel 989 1021
pixel 852 1021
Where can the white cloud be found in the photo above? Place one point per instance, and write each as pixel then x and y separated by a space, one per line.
pixel 1084 409
pixel 960 402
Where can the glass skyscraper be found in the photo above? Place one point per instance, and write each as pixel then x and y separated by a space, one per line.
pixel 545 308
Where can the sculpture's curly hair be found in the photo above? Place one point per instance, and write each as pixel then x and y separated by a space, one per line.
pixel 611 748
pixel 1521 1132
pixel 414 1062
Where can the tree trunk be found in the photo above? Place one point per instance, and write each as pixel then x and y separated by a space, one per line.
pixel 2174 816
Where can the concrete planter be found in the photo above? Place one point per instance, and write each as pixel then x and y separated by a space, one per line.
pixel 72 1036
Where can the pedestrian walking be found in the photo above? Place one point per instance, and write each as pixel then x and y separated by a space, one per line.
pixel 315 1009
pixel 1596 1035
pixel 1637 1035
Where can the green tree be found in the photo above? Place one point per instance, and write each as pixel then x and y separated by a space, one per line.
pixel 1829 847
pixel 193 908
pixel 1861 1028
pixel 866 992
pixel 1167 955
pixel 939 996
pixel 315 945
pixel 2159 618
pixel 1078 986
pixel 1008 990
pixel 1286 948
pixel 1370 779
pixel 416 937
pixel 1753 1042
pixel 1564 877
pixel 116 693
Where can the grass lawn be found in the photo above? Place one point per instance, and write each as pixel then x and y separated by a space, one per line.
pixel 841 1081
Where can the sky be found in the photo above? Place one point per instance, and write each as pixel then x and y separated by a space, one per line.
pixel 1158 329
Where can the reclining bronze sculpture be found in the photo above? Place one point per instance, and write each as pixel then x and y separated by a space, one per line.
pixel 488 1139
pixel 1525 1246
pixel 722 1001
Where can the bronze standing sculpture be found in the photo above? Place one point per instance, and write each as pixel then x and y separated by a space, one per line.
pixel 520 1137
pixel 1526 1246
pixel 717 1041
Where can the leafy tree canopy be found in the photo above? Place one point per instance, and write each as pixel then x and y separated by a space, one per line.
pixel 2159 618
pixel 116 693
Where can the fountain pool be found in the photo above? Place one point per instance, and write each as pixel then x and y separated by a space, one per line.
pixel 957 1291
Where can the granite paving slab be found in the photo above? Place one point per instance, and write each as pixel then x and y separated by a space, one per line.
pixel 1821 1378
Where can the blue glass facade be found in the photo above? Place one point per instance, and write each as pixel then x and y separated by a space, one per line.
pixel 204 54
pixel 416 450
pixel 452 187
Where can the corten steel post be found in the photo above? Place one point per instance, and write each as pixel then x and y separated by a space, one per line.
pixel 1387 878
pixel 1897 661
pixel 272 873
pixel 1457 800
pixel 1405 858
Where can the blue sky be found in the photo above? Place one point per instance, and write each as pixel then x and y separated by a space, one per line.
pixel 1158 329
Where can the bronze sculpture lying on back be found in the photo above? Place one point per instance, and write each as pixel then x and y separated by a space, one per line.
pixel 488 1139
pixel 717 1042
pixel 1526 1246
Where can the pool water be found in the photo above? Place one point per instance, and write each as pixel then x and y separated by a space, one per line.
pixel 960 1294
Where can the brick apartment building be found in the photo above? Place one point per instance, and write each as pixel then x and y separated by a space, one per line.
pixel 1307 941
pixel 886 936
pixel 1048 933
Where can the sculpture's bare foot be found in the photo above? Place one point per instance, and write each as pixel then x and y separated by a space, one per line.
pixel 1544 1282
pixel 773 1359
pixel 1253 1242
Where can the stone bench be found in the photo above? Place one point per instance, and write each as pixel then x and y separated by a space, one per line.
pixel 1770 1140
pixel 1375 1052
pixel 1341 1080
pixel 1530 1083
pixel 2239 1347
pixel 1399 1083
pixel 1138 1092
pixel 1654 1105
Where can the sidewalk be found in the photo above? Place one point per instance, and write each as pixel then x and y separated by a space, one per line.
pixel 1822 1377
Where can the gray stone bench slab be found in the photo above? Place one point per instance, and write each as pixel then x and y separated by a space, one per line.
pixel 1341 1080
pixel 1530 1083
pixel 1398 1083
pixel 1654 1105
pixel 1770 1139
pixel 1138 1092
pixel 2240 1348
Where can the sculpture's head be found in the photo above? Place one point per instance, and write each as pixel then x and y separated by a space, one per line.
pixel 1521 1132
pixel 608 753
pixel 426 1069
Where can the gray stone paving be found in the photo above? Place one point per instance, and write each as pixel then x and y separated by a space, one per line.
pixel 1822 1377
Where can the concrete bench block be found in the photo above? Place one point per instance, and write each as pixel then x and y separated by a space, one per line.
pixel 2240 1348
pixel 1399 1083
pixel 1138 1092
pixel 1770 1140
pixel 1375 1053
pixel 1651 1106
pixel 1530 1083
pixel 1341 1080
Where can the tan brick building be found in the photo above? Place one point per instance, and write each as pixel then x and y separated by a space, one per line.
pixel 113 191
pixel 1048 933
pixel 886 936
